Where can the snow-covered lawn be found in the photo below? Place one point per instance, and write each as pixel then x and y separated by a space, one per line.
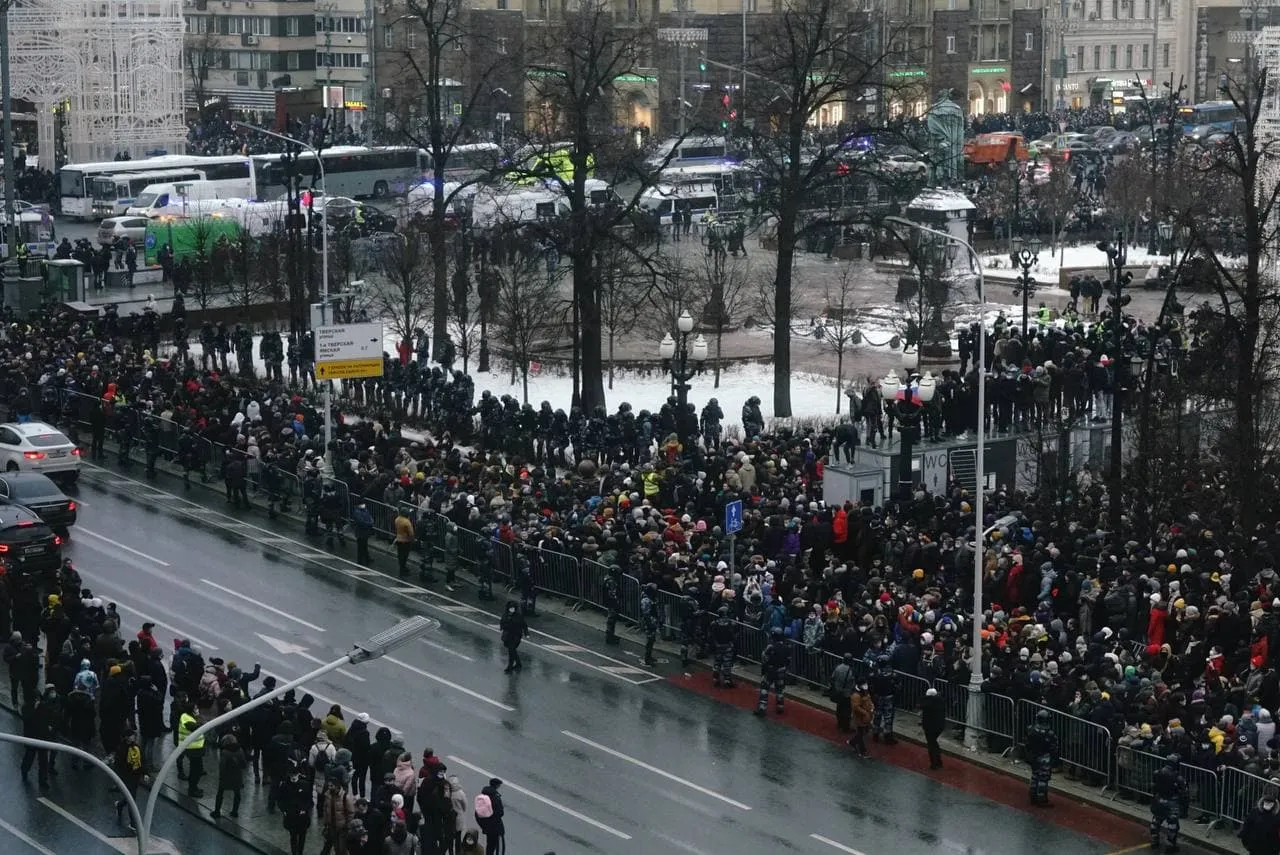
pixel 1050 263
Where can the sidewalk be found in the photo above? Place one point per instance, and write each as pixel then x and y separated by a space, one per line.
pixel 263 831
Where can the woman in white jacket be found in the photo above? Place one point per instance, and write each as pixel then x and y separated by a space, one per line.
pixel 461 809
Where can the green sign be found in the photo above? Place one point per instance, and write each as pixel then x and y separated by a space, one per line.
pixel 909 72
pixel 635 78
pixel 990 69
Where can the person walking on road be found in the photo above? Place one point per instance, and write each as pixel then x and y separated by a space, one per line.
pixel 362 527
pixel 232 763
pixel 841 688
pixel 40 720
pixel 1041 750
pixel 359 743
pixel 863 711
pixel 933 720
pixel 295 808
pixel 405 537
pixel 489 811
pixel 514 629
pixel 128 765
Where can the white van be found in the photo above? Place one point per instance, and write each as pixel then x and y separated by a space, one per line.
pixel 496 207
pixel 172 199
pixel 661 199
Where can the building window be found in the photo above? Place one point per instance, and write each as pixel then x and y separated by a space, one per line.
pixel 1164 60
pixel 242 78
pixel 1080 58
pixel 1146 9
pixel 951 43
pixel 502 4
pixel 1146 56
pixel 1029 42
pixel 291 26
pixel 1128 56
pixel 1115 9
pixel 388 38
pixel 1115 52
pixel 411 40
pixel 292 60
pixel 1097 57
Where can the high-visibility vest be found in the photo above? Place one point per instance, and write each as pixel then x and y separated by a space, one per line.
pixel 187 725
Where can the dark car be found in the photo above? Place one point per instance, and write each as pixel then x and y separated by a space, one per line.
pixel 41 496
pixel 27 545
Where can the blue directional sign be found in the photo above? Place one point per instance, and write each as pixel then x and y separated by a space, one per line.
pixel 149 241
pixel 733 517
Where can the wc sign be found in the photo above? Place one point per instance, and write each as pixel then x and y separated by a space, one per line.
pixel 933 470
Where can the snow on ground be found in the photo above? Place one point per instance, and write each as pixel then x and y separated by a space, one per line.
pixel 1050 263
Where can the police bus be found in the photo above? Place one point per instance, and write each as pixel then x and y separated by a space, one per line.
pixel 234 175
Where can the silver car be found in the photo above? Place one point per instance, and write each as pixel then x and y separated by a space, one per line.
pixel 133 228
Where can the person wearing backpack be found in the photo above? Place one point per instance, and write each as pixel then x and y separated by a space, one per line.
pixel 337 811
pixel 322 753
pixel 489 811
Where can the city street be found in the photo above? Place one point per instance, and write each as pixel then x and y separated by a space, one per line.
pixel 598 754
pixel 77 816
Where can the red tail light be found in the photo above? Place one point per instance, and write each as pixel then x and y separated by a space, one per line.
pixel 71 505
pixel 33 455
pixel 75 452
pixel 57 540
pixel 25 524
pixel 4 547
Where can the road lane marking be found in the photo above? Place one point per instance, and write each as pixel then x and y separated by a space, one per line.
pixel 834 845
pixel 21 835
pixel 123 845
pixel 563 648
pixel 408 589
pixel 288 648
pixel 568 811
pixel 275 611
pixel 82 530
pixel 452 685
pixel 697 788
pixel 457 608
pixel 438 646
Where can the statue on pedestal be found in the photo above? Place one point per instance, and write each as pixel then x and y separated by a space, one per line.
pixel 946 140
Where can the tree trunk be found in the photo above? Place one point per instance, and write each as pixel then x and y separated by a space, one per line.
pixel 839 377
pixel 719 342
pixel 611 337
pixel 782 313
pixel 592 363
pixel 438 243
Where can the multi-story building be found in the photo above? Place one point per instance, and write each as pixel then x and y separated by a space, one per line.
pixel 240 52
pixel 1105 51
pixel 987 54
pixel 344 56
pixel 1218 32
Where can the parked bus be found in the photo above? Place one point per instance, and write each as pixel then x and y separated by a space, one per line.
pixel 469 162
pixel 1218 115
pixel 114 194
pixel 689 151
pixel 234 173
pixel 349 170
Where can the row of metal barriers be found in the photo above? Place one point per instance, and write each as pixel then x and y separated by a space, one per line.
pixel 1087 749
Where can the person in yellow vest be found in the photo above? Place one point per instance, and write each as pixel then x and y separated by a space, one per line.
pixel 187 724
pixel 1044 315
pixel 651 488
pixel 22 254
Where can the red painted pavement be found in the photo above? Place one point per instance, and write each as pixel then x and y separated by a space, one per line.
pixel 968 777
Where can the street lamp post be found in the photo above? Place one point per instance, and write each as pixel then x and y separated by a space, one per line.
pixel 684 361
pixel 911 396
pixel 974 708
pixel 1015 172
pixel 1025 254
pixel 1118 279
pixel 1166 239
pixel 379 645
pixel 324 275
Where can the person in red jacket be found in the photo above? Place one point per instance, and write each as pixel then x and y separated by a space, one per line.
pixel 840 532
pixel 1157 620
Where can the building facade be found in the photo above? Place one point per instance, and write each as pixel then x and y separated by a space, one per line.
pixel 239 52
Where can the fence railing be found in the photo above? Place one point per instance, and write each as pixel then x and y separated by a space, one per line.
pixel 1083 745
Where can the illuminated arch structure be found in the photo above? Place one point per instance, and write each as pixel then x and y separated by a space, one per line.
pixel 114 66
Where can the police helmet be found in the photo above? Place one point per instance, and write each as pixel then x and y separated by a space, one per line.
pixel 776 632
pixel 723 611
pixel 615 570
pixel 651 588
pixel 882 662
pixel 1042 717
pixel 1173 760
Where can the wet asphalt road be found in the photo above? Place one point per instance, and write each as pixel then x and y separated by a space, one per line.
pixel 76 815
pixel 598 754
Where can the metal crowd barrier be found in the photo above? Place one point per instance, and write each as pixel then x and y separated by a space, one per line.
pixel 1082 744
pixel 1241 791
pixel 1135 774
pixel 995 712
pixel 560 574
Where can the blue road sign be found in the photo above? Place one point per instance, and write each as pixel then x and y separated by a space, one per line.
pixel 149 240
pixel 733 517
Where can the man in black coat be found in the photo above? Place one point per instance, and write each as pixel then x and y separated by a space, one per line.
pixel 933 720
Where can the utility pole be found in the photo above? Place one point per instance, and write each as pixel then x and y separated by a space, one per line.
pixel 11 230
pixel 1062 55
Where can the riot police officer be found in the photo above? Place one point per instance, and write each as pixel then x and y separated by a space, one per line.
pixel 612 603
pixel 331 514
pixel 1168 800
pixel 690 625
pixel 650 621
pixel 311 499
pixel 773 669
pixel 883 687
pixel 151 439
pixel 1042 752
pixel 723 637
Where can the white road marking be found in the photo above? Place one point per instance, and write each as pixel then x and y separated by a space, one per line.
pixel 443 649
pixel 123 845
pixel 568 811
pixel 563 648
pixel 374 724
pixel 408 589
pixel 698 788
pixel 455 607
pixel 177 633
pixel 261 605
pixel 82 530
pixel 833 844
pixel 452 685
pixel 21 835
pixel 288 648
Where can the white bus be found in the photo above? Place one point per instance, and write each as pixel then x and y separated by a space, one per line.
pixel 688 151
pixel 114 194
pixel 349 170
pixel 234 173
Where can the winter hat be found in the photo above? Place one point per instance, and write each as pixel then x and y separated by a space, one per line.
pixel 364 717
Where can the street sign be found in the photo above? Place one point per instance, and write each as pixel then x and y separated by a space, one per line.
pixel 348 351
pixel 682 35
pixel 733 517
pixel 504 117
pixel 933 471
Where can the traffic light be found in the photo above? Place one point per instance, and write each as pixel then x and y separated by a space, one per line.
pixel 702 65
pixel 724 99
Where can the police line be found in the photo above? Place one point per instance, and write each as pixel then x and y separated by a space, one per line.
pixel 1086 747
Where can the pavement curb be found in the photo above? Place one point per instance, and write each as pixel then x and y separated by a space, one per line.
pixel 553 605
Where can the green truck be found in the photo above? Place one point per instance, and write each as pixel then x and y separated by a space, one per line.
pixel 187 237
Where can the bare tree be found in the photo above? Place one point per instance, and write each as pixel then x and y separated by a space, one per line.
pixel 530 309
pixel 673 289
pixel 622 296
pixel 464 309
pixel 809 62
pixel 200 54
pixel 1129 193
pixel 840 330
pixel 1056 199
pixel 403 290
pixel 727 284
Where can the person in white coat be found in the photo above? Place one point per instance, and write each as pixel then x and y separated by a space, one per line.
pixel 461 809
